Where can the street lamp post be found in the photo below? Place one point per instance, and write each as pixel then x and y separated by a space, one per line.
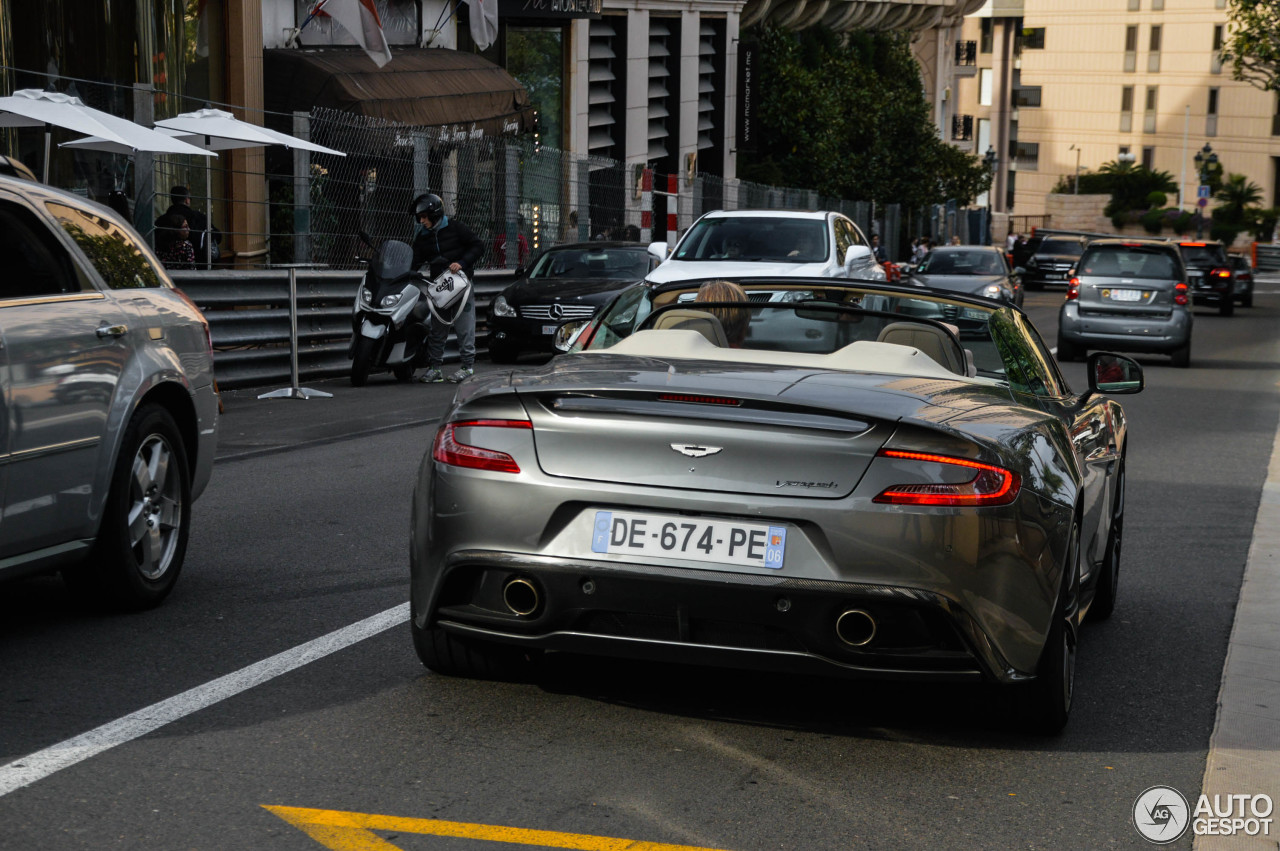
pixel 1206 164
pixel 1076 189
pixel 991 161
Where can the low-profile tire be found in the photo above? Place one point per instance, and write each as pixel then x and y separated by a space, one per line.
pixel 1043 705
pixel 1182 355
pixel 1068 352
pixel 1108 588
pixel 142 540
pixel 1227 307
pixel 503 354
pixel 458 656
pixel 362 360
pixel 403 371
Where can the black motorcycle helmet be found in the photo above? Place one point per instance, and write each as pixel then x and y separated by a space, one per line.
pixel 428 205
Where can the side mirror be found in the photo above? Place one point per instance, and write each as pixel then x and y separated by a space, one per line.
pixel 520 272
pixel 1115 374
pixel 567 334
pixel 1019 271
pixel 856 255
pixel 659 250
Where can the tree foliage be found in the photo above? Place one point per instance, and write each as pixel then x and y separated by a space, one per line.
pixel 1253 42
pixel 849 119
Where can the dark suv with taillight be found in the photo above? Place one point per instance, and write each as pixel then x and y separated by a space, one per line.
pixel 1127 296
pixel 1243 270
pixel 1209 275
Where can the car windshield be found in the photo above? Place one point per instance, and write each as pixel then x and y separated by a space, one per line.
pixel 1129 262
pixel 1061 246
pixel 623 264
pixel 962 262
pixel 756 238
pixel 800 318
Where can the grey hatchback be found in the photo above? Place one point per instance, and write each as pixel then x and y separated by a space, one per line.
pixel 1127 295
pixel 110 410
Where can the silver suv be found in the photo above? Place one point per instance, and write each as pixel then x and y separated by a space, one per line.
pixel 110 410
pixel 1130 296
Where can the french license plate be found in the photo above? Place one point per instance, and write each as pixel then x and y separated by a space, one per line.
pixel 1054 276
pixel 1126 295
pixel 692 538
pixel 549 329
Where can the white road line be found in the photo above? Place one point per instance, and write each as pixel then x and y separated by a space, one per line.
pixel 41 764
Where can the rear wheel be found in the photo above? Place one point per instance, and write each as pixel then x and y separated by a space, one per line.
pixel 143 537
pixel 1044 705
pixel 362 360
pixel 458 656
pixel 1227 307
pixel 1104 597
pixel 1182 355
pixel 1068 351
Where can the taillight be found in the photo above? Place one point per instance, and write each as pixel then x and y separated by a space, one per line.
pixel 1223 276
pixel 448 450
pixel 1180 293
pixel 989 486
pixel 1073 289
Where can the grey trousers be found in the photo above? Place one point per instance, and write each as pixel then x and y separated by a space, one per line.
pixel 465 327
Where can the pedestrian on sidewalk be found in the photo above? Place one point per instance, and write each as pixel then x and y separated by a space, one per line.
pixel 446 243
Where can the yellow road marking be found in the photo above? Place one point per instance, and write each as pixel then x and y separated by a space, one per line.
pixel 342 831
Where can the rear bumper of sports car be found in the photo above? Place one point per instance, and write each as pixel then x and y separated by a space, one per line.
pixel 723 619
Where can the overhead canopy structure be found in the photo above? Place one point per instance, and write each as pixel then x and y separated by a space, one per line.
pixel 421 87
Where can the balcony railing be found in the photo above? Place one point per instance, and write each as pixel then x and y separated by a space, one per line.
pixel 966 53
pixel 962 128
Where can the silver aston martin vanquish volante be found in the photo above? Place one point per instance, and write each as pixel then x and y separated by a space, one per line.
pixel 832 477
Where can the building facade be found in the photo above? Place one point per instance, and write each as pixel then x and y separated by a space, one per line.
pixel 1063 88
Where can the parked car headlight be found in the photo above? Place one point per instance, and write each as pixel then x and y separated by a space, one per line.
pixel 391 300
pixel 992 291
pixel 501 308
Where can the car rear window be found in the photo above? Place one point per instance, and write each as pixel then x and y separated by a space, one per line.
pixel 1061 246
pixel 1203 255
pixel 1130 262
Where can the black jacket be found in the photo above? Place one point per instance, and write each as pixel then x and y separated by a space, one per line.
pixel 451 242
pixel 196 221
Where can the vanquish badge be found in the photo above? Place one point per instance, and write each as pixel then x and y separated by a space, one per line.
pixel 693 450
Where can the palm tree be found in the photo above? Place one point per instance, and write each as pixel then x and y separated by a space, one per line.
pixel 1237 193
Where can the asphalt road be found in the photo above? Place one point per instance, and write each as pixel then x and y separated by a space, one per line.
pixel 304 530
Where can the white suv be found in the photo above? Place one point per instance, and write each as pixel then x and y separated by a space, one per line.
pixel 110 411
pixel 769 243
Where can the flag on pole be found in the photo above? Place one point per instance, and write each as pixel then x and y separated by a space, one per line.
pixel 484 22
pixel 360 19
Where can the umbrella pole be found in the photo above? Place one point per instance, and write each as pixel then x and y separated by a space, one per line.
pixel 208 210
pixel 47 134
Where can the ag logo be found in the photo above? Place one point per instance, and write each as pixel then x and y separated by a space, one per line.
pixel 1161 814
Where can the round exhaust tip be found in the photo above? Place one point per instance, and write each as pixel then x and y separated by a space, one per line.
pixel 521 596
pixel 856 627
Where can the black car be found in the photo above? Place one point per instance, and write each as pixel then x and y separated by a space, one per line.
pixel 1209 275
pixel 1052 261
pixel 563 283
pixel 979 270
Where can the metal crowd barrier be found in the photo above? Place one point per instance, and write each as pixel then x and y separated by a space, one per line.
pixel 1266 257
pixel 248 313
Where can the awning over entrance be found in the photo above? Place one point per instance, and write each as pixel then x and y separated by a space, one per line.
pixel 419 87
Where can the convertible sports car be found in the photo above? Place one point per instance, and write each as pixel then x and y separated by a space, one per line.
pixel 872 480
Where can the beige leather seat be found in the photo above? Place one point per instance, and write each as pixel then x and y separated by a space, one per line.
pixel 934 342
pixel 693 320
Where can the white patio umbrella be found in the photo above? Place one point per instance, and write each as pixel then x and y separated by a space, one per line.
pixel 36 108
pixel 136 138
pixel 216 130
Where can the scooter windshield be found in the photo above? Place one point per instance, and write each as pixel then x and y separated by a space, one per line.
pixel 393 260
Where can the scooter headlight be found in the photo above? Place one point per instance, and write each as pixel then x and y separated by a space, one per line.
pixel 501 308
pixel 366 297
pixel 391 300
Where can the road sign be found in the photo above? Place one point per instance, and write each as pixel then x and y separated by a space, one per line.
pixel 1202 202
pixel 1203 193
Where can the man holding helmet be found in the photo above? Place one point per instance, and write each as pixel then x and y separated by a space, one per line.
pixel 446 243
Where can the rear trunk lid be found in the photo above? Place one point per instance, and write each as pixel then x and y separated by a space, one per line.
pixel 1127 281
pixel 708 427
